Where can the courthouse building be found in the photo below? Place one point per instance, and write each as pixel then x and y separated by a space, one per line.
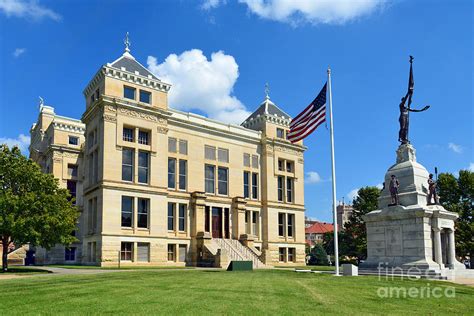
pixel 157 186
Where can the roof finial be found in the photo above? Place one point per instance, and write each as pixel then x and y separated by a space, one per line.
pixel 127 43
pixel 267 91
pixel 41 103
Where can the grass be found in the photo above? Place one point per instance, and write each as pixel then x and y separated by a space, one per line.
pixel 312 268
pixel 75 266
pixel 200 292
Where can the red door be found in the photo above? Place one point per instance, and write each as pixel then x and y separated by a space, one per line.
pixel 216 222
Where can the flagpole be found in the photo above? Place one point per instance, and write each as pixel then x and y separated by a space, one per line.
pixel 333 165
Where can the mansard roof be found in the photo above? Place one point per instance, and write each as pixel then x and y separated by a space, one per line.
pixel 267 107
pixel 130 64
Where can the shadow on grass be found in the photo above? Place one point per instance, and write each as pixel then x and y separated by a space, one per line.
pixel 18 270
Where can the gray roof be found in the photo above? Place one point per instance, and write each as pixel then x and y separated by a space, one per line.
pixel 131 65
pixel 268 107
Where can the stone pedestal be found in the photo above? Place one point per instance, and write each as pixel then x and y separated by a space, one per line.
pixel 408 236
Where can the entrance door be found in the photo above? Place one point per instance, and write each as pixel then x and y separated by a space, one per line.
pixel 216 222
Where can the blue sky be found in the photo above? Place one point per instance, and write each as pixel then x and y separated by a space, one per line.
pixel 53 48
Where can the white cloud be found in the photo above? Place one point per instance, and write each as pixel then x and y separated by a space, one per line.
pixel 27 9
pixel 211 4
pixel 22 142
pixel 18 52
pixel 471 167
pixel 312 177
pixel 379 186
pixel 353 194
pixel 458 149
pixel 202 84
pixel 313 11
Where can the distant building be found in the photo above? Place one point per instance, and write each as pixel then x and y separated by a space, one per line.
pixel 308 221
pixel 314 233
pixel 344 212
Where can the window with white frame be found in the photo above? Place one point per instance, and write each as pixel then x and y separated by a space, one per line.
pixel 126 251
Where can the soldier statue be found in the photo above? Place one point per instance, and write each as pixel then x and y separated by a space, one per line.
pixel 432 190
pixel 393 188
pixel 404 110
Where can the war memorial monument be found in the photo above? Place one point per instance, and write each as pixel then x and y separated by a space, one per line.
pixel 410 233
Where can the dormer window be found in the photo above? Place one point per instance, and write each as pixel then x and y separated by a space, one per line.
pixel 145 96
pixel 280 133
pixel 129 92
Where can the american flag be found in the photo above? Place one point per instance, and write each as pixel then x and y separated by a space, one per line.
pixel 308 120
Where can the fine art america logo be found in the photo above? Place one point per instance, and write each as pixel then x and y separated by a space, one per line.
pixel 425 290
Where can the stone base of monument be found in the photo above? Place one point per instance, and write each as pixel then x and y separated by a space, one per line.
pixel 411 238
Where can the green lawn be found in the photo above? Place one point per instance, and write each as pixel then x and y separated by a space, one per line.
pixel 313 268
pixel 201 292
pixel 72 266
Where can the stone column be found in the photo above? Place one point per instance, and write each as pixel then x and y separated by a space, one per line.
pixel 198 236
pixel 238 217
pixel 451 249
pixel 437 246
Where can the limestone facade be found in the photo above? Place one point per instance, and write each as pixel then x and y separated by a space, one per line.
pixel 157 186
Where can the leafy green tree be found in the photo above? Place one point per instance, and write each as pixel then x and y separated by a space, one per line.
pixel 457 195
pixel 33 208
pixel 354 238
pixel 318 256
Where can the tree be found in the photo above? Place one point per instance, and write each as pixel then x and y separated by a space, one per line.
pixel 354 238
pixel 33 208
pixel 318 256
pixel 457 195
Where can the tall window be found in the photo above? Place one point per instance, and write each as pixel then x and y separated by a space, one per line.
pixel 254 185
pixel 72 170
pixel 183 147
pixel 281 224
pixel 182 174
pixel 280 164
pixel 70 254
pixel 223 155
pixel 142 212
pixel 254 161
pixel 127 164
pixel 172 144
pixel 207 218
pixel 171 252
pixel 280 133
pixel 171 211
pixel 127 211
pixel 182 253
pixel 143 252
pixel 127 134
pixel 72 187
pixel 282 254
pixel 210 152
pixel 182 217
pixel 291 254
pixel 289 166
pixel 129 92
pixel 289 190
pixel 254 223
pixel 291 223
pixel 171 173
pixel 145 96
pixel 126 251
pixel 222 181
pixel 246 160
pixel 246 184
pixel 280 188
pixel 143 137
pixel 209 178
pixel 143 161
